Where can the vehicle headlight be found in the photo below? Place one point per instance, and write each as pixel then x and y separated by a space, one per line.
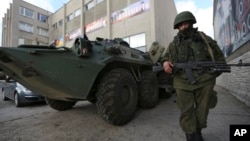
pixel 26 90
pixel 22 88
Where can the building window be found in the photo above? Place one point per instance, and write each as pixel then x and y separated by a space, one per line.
pixel 90 5
pixel 70 17
pixel 26 27
pixel 43 32
pixel 137 41
pixel 99 1
pixel 54 26
pixel 77 12
pixel 60 22
pixel 42 18
pixel 20 41
pixel 42 44
pixel 27 12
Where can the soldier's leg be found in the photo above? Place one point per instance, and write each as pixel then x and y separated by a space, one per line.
pixel 202 99
pixel 185 102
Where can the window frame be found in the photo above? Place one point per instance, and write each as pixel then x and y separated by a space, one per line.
pixel 60 22
pixel 43 31
pixel 25 12
pixel 77 12
pixel 40 17
pixel 54 26
pixel 99 1
pixel 137 41
pixel 90 5
pixel 26 27
pixel 70 17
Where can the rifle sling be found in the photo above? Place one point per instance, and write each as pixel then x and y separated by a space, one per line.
pixel 210 51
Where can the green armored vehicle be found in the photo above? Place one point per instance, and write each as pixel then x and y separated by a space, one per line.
pixel 106 72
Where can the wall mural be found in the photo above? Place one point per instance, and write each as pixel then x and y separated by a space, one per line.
pixel 232 24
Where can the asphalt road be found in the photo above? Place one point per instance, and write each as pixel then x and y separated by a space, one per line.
pixel 38 122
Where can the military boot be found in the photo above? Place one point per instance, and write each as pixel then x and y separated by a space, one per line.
pixel 200 134
pixel 194 137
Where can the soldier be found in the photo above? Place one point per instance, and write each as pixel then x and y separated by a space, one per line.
pixel 193 100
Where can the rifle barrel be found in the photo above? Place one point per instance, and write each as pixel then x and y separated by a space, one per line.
pixel 239 64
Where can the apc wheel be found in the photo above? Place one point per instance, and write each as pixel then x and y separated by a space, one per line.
pixel 18 102
pixel 148 90
pixel 3 96
pixel 117 97
pixel 59 105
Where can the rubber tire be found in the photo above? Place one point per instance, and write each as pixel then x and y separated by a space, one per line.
pixel 4 97
pixel 148 90
pixel 17 100
pixel 59 105
pixel 117 97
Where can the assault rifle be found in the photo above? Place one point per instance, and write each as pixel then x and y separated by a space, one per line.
pixel 202 66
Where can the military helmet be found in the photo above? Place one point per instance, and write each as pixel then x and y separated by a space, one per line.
pixel 182 17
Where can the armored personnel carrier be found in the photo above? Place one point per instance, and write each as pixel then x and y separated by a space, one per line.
pixel 109 73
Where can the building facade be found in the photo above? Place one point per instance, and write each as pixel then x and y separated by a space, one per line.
pixel 139 22
pixel 24 23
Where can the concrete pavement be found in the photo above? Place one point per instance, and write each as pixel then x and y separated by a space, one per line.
pixel 229 111
pixel 82 123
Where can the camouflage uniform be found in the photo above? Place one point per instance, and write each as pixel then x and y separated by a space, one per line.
pixel 192 99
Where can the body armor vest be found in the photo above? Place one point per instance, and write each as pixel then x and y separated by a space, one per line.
pixel 191 48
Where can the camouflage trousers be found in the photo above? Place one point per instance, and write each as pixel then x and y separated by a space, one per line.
pixel 194 107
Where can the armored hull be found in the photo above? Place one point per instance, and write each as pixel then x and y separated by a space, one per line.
pixel 107 72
